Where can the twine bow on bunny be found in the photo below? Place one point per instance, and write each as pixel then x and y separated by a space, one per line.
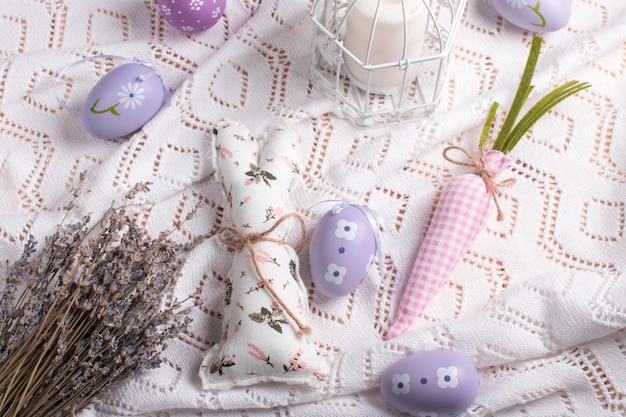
pixel 240 240
pixel 265 330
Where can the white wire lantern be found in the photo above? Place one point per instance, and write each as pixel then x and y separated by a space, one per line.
pixel 383 60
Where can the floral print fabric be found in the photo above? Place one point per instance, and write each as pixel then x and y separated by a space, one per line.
pixel 260 342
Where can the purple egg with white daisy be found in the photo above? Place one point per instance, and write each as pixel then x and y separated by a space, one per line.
pixel 433 383
pixel 343 249
pixel 123 101
pixel 192 16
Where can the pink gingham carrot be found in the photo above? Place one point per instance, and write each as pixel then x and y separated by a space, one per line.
pixel 460 215
pixel 468 199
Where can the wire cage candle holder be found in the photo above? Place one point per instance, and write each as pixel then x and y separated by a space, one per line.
pixel 383 60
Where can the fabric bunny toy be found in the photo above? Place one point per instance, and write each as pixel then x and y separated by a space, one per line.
pixel 264 330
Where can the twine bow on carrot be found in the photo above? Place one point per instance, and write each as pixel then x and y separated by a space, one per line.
pixel 239 240
pixel 482 170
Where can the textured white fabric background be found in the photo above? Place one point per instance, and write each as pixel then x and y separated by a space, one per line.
pixel 537 302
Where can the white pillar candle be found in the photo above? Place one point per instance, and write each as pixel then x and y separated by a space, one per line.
pixel 379 38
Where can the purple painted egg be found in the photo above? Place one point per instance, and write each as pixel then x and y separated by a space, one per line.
pixel 432 383
pixel 343 248
pixel 123 101
pixel 192 16
pixel 535 15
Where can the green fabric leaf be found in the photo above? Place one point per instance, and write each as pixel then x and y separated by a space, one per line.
pixel 511 133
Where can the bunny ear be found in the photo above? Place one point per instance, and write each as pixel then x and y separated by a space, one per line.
pixel 235 151
pixel 279 157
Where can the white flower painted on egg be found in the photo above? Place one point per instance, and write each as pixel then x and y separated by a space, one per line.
pixel 196 4
pixel 448 377
pixel 131 95
pixel 517 3
pixel 345 229
pixel 401 384
pixel 335 274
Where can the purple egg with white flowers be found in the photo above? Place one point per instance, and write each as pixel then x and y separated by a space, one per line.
pixel 123 101
pixel 535 15
pixel 192 16
pixel 343 249
pixel 431 383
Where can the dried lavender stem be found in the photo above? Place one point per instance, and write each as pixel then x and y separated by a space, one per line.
pixel 85 320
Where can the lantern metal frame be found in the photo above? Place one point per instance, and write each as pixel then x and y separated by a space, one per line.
pixel 415 98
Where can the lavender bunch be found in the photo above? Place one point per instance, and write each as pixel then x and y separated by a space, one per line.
pixel 92 309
